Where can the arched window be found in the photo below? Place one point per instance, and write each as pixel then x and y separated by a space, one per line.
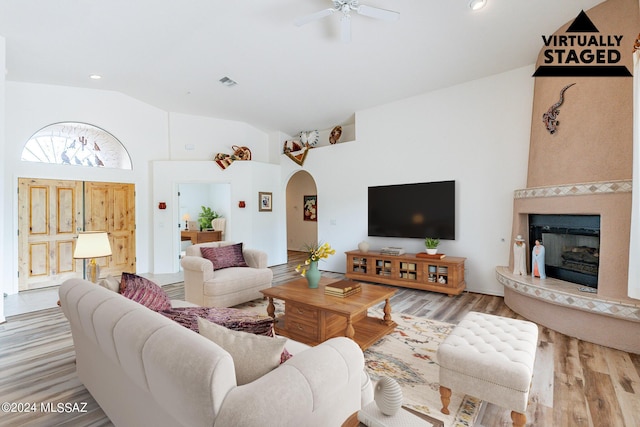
pixel 79 144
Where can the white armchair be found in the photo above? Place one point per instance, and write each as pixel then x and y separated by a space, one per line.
pixel 207 287
pixel 219 224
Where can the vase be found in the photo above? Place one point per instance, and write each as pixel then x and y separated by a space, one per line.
pixel 431 251
pixel 388 396
pixel 313 275
pixel 363 246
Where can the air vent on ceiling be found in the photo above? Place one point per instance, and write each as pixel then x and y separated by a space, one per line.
pixel 228 82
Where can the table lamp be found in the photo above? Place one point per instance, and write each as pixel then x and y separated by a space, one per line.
pixel 186 218
pixel 92 245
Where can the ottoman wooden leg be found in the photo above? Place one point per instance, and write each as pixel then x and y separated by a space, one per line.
pixel 445 396
pixel 519 419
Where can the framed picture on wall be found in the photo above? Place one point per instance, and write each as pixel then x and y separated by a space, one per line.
pixel 310 208
pixel 264 201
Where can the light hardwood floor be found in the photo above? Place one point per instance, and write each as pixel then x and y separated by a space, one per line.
pixel 576 383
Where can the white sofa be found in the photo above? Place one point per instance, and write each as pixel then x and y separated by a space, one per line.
pixel 227 287
pixel 146 370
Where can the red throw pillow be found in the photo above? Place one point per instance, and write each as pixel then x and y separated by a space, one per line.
pixel 145 292
pixel 224 256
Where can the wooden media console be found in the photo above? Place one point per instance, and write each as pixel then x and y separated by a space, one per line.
pixel 445 275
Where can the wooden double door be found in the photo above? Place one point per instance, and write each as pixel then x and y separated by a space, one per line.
pixel 52 212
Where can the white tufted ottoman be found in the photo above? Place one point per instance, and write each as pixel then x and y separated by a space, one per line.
pixel 491 358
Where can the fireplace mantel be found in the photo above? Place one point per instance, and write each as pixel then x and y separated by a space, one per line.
pixel 583 189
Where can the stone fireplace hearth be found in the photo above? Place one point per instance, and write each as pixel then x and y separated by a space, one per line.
pixel 606 316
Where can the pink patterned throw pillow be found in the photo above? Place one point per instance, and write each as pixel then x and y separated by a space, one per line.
pixel 225 256
pixel 145 292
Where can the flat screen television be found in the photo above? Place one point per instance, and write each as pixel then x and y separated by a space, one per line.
pixel 418 210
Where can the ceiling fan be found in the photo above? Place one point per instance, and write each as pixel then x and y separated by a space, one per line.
pixel 346 7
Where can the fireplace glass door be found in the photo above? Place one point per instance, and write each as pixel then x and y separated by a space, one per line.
pixel 572 246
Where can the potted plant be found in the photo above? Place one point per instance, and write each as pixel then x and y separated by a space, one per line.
pixel 206 216
pixel 431 244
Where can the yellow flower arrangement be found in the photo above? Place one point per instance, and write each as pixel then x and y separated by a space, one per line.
pixel 316 253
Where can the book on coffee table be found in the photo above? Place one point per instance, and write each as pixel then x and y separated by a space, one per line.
pixel 342 286
pixel 372 416
pixel 342 294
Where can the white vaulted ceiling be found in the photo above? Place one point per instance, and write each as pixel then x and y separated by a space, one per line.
pixel 171 53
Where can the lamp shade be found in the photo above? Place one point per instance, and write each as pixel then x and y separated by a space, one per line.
pixel 92 244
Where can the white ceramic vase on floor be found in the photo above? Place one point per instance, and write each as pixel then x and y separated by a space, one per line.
pixel 388 395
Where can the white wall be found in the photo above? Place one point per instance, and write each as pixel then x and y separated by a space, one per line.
pixel 5 277
pixel 634 238
pixel 475 133
pixel 142 129
pixel 259 230
pixel 201 138
pixel 148 134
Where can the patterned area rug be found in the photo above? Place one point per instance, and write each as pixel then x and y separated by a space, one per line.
pixel 408 355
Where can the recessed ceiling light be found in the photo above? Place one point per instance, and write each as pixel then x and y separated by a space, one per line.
pixel 477 4
pixel 95 76
pixel 228 82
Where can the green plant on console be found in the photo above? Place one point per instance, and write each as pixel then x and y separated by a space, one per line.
pixel 206 216
pixel 431 243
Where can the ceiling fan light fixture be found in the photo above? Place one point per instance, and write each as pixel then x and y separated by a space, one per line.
pixel 346 7
pixel 477 4
pixel 345 28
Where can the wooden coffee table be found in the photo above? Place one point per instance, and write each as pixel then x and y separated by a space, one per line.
pixel 312 317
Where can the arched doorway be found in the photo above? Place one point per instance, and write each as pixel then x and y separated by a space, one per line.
pixel 301 193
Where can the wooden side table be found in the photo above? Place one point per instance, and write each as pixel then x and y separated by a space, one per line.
pixel 201 236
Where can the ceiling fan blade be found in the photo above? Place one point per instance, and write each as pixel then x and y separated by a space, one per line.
pixel 377 13
pixel 345 28
pixel 313 17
